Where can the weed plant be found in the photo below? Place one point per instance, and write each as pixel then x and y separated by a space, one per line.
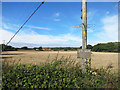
pixel 60 73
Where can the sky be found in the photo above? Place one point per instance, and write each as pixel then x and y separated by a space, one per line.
pixel 53 24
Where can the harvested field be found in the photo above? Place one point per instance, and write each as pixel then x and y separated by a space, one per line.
pixel 99 59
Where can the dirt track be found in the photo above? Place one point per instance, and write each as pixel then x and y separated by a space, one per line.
pixel 35 57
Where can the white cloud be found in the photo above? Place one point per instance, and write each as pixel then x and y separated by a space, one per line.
pixel 13 27
pixel 90 30
pixel 91 14
pixel 35 27
pixel 57 14
pixel 33 38
pixel 5 35
pixel 109 31
pixel 5 26
pixel 107 12
pixel 56 19
pixel 16 27
pixel 91 42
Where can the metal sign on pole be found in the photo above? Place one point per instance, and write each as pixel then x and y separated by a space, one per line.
pixel 84 53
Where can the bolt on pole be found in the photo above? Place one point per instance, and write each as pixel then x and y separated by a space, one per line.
pixel 84 31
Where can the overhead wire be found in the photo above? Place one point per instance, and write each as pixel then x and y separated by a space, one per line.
pixel 25 22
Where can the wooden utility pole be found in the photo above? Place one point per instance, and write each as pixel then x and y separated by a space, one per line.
pixel 84 31
pixel 84 53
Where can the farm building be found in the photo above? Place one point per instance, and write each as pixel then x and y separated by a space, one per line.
pixel 46 49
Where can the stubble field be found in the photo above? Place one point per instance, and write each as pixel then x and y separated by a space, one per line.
pixel 99 59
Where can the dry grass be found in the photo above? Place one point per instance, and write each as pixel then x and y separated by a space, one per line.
pixel 36 57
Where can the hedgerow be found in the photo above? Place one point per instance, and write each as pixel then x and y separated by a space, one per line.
pixel 61 73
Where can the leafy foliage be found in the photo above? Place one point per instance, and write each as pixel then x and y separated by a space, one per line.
pixel 107 47
pixel 101 47
pixel 64 48
pixel 62 73
pixel 24 48
pixel 40 48
pixel 89 46
pixel 7 48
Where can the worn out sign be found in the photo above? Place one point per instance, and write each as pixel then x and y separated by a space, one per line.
pixel 84 53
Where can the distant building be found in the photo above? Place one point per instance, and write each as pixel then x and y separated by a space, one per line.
pixel 37 49
pixel 46 49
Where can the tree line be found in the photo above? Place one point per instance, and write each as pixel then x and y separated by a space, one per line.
pixel 100 47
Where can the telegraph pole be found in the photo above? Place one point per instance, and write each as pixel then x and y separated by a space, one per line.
pixel 84 53
pixel 84 24
pixel 84 31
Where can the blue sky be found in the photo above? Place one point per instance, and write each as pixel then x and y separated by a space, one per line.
pixel 53 24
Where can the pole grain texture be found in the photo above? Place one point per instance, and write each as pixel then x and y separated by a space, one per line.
pixel 84 32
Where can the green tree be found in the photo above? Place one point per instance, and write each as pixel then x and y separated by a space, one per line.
pixel 24 48
pixel 35 48
pixel 7 48
pixel 65 49
pixel 40 48
pixel 89 46
pixel 80 47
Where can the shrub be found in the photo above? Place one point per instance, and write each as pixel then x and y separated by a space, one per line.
pixel 62 73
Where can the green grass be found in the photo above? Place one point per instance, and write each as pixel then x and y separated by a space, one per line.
pixel 62 73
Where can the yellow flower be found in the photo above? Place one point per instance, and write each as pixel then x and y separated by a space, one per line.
pixel 90 71
pixel 94 73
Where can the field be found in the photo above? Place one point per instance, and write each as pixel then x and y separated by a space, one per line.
pixel 99 59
